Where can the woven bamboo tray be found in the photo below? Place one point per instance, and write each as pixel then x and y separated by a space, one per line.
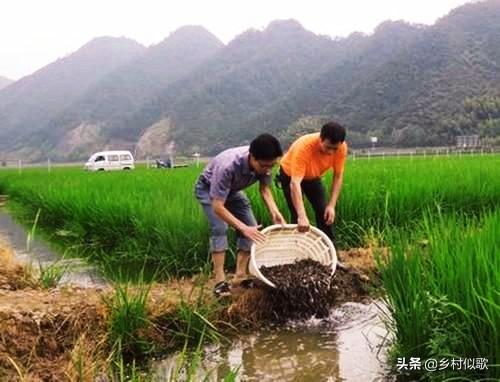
pixel 285 245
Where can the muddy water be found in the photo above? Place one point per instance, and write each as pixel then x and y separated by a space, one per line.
pixel 348 345
pixel 38 252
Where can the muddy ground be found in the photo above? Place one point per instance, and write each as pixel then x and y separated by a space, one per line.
pixel 60 334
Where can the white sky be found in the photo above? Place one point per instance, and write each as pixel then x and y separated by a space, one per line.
pixel 34 33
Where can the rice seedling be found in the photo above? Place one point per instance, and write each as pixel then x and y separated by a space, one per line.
pixel 189 367
pixel 193 319
pixel 31 234
pixel 124 219
pixel 128 372
pixel 128 318
pixel 49 275
pixel 444 291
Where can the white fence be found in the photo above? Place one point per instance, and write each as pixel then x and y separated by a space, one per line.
pixel 421 152
pixel 382 153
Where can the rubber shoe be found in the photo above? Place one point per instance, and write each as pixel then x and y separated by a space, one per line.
pixel 221 289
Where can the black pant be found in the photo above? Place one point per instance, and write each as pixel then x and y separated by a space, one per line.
pixel 315 193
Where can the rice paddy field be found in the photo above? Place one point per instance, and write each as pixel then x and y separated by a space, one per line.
pixel 440 217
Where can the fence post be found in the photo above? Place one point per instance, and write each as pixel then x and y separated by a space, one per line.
pixel 48 165
pixel 20 166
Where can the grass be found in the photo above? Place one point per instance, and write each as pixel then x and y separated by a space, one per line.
pixel 188 366
pixel 439 216
pixel 443 287
pixel 128 320
pixel 124 219
pixel 193 322
pixel 50 274
pixel 30 237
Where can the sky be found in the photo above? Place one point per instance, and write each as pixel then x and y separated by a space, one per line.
pixel 34 33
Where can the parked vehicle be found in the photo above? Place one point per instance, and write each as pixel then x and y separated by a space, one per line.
pixel 110 160
pixel 159 163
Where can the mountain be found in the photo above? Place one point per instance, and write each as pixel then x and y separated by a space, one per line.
pixel 407 84
pixel 410 95
pixel 206 109
pixel 28 104
pixel 4 82
pixel 331 93
pixel 96 116
pixel 404 83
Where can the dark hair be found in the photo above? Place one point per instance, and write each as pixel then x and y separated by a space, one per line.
pixel 333 131
pixel 265 147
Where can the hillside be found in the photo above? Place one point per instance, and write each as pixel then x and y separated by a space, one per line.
pixel 27 105
pixel 409 85
pixel 412 96
pixel 94 117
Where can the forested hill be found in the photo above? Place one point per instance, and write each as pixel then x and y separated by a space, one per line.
pixel 409 85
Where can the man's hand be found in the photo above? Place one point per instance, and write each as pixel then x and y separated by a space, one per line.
pixel 253 233
pixel 278 218
pixel 303 224
pixel 329 215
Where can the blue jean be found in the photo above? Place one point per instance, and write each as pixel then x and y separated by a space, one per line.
pixel 238 204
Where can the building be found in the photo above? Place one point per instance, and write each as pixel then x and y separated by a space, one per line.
pixel 468 141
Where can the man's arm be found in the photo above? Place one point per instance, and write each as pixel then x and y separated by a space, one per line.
pixel 298 203
pixel 338 179
pixel 267 196
pixel 251 232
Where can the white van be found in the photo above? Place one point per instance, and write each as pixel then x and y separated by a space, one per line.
pixel 110 160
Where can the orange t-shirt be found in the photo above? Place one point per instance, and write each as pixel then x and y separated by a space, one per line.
pixel 304 158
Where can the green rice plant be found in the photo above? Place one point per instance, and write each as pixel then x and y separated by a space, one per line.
pixel 191 324
pixel 188 361
pixel 31 234
pixel 128 319
pixel 232 375
pixel 192 321
pixel 443 289
pixel 188 365
pixel 50 275
pixel 126 218
pixel 128 372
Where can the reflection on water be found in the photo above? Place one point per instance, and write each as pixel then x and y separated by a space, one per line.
pixel 79 273
pixel 346 346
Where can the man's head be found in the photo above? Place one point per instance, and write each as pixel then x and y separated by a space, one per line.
pixel 331 137
pixel 265 151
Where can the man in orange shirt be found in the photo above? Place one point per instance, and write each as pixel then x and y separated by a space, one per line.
pixel 307 159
